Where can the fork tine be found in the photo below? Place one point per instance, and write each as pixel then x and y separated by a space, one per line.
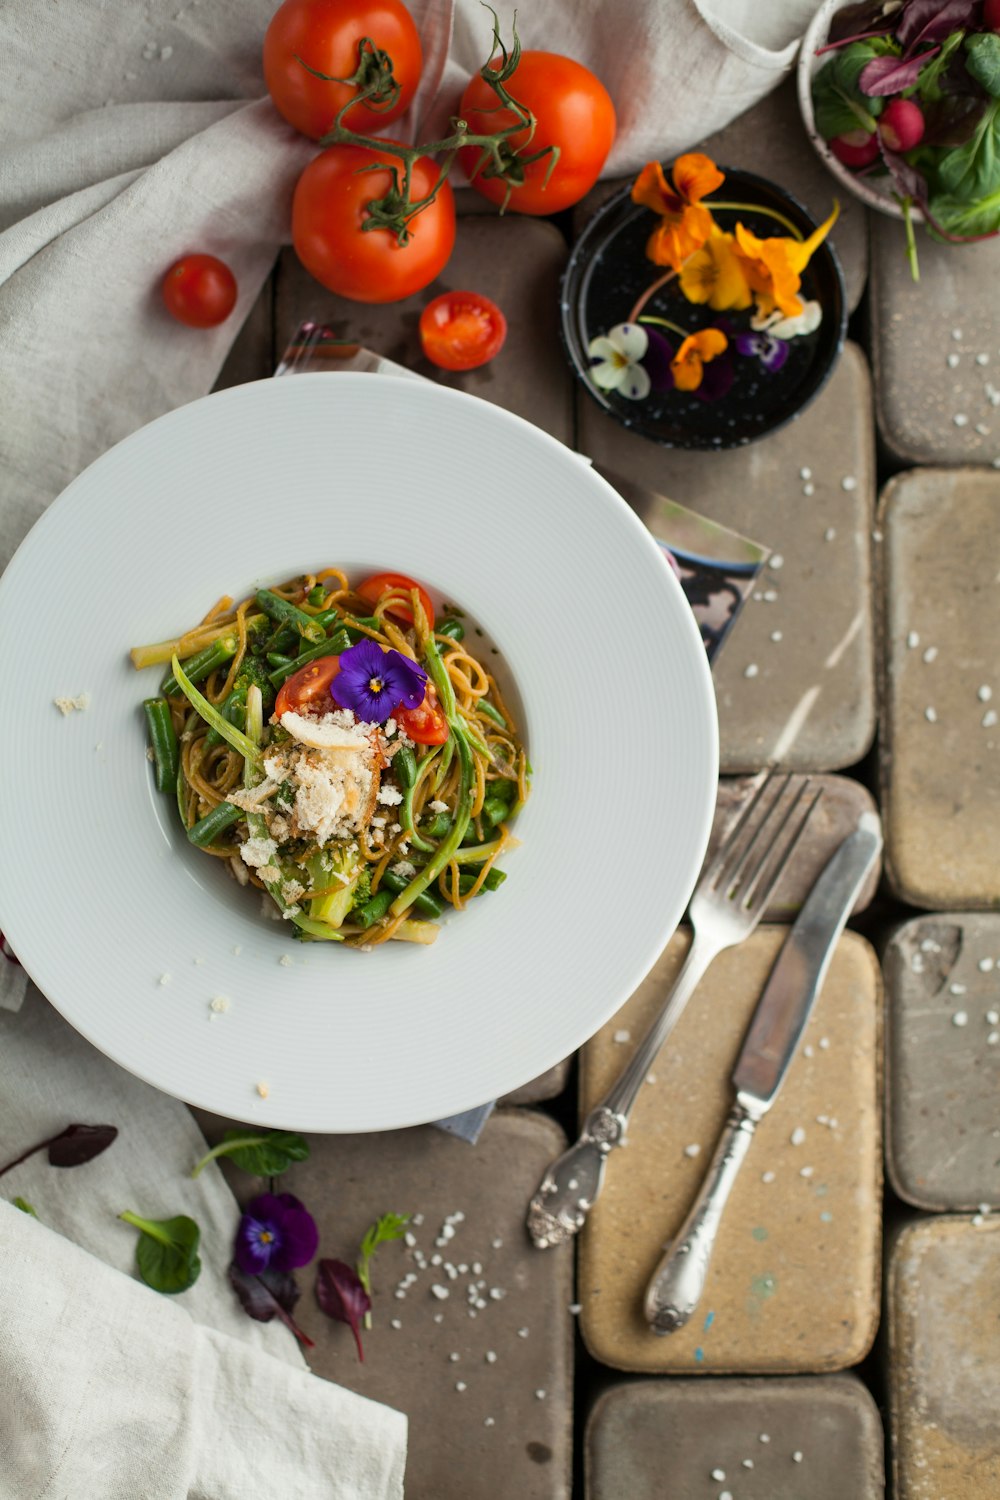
pixel 781 865
pixel 725 853
pixel 736 873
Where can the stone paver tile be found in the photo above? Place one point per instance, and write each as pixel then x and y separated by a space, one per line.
pixel 547 1086
pixel 936 348
pixel 793 1284
pixel 252 356
pixel 517 262
pixel 940 740
pixel 681 1439
pixel 770 139
pixel 943 1358
pixel 524 1453
pixel 795 681
pixel 942 993
pixel 841 805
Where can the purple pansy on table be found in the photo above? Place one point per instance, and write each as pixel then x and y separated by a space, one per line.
pixel 373 683
pixel 276 1233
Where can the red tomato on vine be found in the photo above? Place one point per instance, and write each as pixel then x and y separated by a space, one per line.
pixel 329 211
pixel 574 112
pixel 325 34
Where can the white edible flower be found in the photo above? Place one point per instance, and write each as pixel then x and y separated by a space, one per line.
pixel 618 356
pixel 780 327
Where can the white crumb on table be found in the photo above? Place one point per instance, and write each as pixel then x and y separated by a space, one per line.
pixel 79 704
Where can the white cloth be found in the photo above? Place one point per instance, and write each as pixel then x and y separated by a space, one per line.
pixel 109 1389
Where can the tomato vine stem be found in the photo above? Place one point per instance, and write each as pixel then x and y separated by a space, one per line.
pixel 498 158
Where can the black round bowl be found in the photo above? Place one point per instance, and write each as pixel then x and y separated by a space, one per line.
pixel 607 273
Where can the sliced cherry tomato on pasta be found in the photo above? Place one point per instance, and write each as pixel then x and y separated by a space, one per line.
pixel 425 725
pixel 309 686
pixel 372 589
pixel 462 330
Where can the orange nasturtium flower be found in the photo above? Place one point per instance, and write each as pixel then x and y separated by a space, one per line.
pixel 774 267
pixel 697 350
pixel 685 224
pixel 716 274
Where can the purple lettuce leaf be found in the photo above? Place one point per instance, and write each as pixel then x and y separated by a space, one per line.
pixel 342 1297
pixel 891 75
pixel 72 1147
pixel 952 121
pixel 866 19
pixel 931 21
pixel 273 1294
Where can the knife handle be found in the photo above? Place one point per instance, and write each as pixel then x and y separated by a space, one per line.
pixel 679 1279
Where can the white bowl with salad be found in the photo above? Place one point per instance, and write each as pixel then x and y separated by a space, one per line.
pixel 901 100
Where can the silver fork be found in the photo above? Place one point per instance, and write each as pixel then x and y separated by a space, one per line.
pixel 727 905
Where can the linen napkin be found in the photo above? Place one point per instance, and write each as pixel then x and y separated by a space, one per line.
pixel 108 1388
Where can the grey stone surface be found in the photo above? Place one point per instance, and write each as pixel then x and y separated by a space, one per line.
pixel 348 1182
pixel 515 261
pixel 770 139
pixel 936 348
pixel 678 1440
pixel 840 806
pixel 806 699
pixel 547 1086
pixel 942 992
pixel 943 1358
pixel 940 688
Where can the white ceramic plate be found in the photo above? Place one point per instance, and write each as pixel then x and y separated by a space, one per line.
pixel 874 192
pixel 100 893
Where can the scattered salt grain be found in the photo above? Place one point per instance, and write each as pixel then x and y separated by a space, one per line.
pixel 824 1043
pixel 539 1395
pixel 913 640
pixel 803 1172
pixel 960 419
pixel 982 429
pixel 748 1463
pixel 497 1245
pixel 849 483
pixel 808 489
pixel 803 474
pixel 719 1474
pixel 454 1358
pixel 575 1308
pixel 930 654
pixel 797 1136
pixel 439 1291
pixel 952 361
pixel 395 1323
pixel 776 635
pixel 776 561
pixel 522 1333
pixel 829 534
pixel 930 714
pixel 796 1457
pixel 164 978
pixel 491 1357
pixel 985 693
pixel 166 53
pixel 956 334
pixel 989 718
pixel 993 1038
pixel 982 359
pixel 957 989
pixel 767 1177
pixel 807 1050
pixel 460 1385
pixel 623 1036
pixel 693 1150
pixel 960 1018
pixel 751 670
pixel 993 1017
pixel 489 1422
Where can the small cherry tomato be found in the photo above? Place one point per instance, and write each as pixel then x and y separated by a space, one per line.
pixel 371 590
pixel 309 685
pixel 325 35
pixel 425 725
pixel 199 290
pixel 329 213
pixel 573 111
pixel 462 330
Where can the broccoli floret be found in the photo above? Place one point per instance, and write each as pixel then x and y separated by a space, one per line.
pixel 253 673
pixel 363 889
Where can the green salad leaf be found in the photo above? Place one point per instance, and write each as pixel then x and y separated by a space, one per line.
pixel 970 173
pixel 263 1155
pixel 958 216
pixel 167 1252
pixel 25 1207
pixel 838 102
pixel 983 61
pixel 929 89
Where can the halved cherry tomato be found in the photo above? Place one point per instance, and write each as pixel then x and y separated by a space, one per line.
pixel 462 330
pixel 309 685
pixel 425 725
pixel 371 590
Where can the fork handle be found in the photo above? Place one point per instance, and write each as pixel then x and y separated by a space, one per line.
pixel 679 1280
pixel 572 1182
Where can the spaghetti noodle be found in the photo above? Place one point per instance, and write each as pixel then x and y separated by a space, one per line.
pixel 342 752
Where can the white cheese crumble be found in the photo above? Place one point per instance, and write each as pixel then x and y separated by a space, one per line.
pixel 72 705
pixel 257 852
pixel 390 796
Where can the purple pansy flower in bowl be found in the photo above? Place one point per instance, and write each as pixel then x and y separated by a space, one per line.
pixel 276 1233
pixel 374 682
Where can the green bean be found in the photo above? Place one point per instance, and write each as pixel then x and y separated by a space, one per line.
pixel 202 664
pixel 326 618
pixel 453 629
pixel 212 717
pixel 491 713
pixel 316 595
pixel 332 647
pixel 448 848
pixel 427 905
pixel 233 709
pixel 439 827
pixel 496 810
pixel 283 639
pixel 208 828
pixel 166 750
pixel 279 659
pixel 404 763
pixel 289 614
pixel 493 879
pixel 374 909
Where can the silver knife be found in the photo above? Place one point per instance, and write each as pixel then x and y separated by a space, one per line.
pixel 768 1048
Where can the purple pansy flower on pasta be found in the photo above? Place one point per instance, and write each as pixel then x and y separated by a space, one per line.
pixel 276 1233
pixel 374 682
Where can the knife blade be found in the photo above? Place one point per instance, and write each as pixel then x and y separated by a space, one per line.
pixel 800 969
pixel 770 1044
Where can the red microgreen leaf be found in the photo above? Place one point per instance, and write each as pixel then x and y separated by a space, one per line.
pixel 341 1296
pixel 71 1147
pixel 933 20
pixel 273 1294
pixel 890 75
